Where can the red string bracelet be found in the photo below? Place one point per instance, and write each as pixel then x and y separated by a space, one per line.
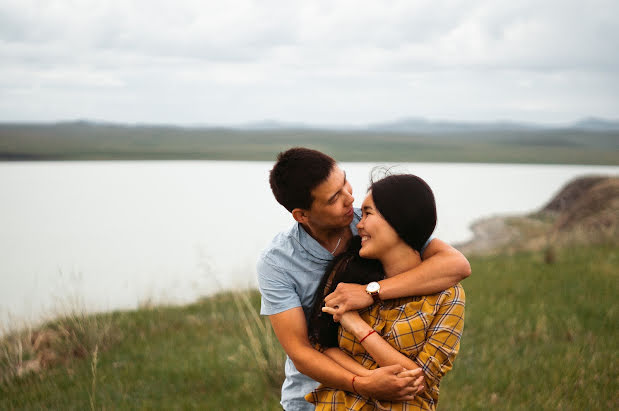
pixel 368 334
pixel 353 385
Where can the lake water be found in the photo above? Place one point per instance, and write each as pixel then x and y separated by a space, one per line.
pixel 107 235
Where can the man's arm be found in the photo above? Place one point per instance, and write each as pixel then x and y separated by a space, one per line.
pixel 442 267
pixel 346 361
pixel 384 383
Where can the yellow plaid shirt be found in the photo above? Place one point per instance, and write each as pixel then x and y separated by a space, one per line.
pixel 425 329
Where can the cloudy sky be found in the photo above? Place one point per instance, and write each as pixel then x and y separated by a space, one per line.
pixel 318 62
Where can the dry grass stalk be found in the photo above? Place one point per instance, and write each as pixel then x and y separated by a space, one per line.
pixel 261 340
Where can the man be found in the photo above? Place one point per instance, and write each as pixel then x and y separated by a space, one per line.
pixel 314 189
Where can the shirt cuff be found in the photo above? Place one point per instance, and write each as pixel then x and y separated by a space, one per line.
pixel 431 367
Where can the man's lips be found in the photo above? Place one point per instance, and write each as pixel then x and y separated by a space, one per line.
pixel 349 213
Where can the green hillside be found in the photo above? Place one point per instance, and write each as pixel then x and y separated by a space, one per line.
pixel 537 336
pixel 92 141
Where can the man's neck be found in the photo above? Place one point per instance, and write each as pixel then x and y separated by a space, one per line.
pixel 334 240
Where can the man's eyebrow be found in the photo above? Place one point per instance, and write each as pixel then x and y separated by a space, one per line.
pixel 338 191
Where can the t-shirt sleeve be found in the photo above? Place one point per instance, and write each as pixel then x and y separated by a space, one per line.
pixel 423 249
pixel 277 289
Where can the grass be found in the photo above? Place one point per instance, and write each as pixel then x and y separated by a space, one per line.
pixel 191 357
pixel 537 336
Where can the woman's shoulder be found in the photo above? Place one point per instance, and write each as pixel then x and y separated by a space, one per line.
pixel 452 297
pixel 456 292
pixel 453 292
pixel 427 303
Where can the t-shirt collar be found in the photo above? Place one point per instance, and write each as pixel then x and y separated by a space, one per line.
pixel 314 248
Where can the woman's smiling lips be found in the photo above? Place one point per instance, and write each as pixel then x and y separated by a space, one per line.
pixel 364 236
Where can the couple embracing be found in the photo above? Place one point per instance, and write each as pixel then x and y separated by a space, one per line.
pixel 366 304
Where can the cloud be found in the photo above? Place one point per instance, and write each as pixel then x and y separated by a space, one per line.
pixel 332 53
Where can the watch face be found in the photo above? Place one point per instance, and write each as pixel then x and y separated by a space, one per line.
pixel 373 287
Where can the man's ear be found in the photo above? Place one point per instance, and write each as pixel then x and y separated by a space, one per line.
pixel 300 215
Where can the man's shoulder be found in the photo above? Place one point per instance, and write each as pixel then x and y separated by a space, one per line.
pixel 280 247
pixel 281 241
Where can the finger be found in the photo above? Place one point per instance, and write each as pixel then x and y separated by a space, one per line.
pixel 407 393
pixel 338 307
pixel 333 302
pixel 405 398
pixel 328 310
pixel 331 297
pixel 416 372
pixel 395 368
pixel 419 381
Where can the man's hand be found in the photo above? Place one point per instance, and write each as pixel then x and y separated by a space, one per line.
pixel 347 297
pixel 392 383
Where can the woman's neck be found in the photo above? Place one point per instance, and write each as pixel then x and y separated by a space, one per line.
pixel 400 259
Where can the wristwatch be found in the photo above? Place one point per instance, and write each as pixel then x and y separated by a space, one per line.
pixel 373 289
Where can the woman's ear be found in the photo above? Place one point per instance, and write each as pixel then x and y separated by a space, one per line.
pixel 300 215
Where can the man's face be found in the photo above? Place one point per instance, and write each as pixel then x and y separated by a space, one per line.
pixel 332 206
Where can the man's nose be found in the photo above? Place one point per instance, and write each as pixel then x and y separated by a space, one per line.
pixel 349 197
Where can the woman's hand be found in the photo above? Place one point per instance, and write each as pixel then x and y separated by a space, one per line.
pixel 350 320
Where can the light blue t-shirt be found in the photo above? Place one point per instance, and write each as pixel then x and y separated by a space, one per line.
pixel 289 271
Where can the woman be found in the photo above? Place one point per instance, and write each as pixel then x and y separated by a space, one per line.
pixel 399 215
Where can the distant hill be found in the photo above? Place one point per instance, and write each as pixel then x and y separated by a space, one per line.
pixel 590 141
pixel 421 125
pixel 598 124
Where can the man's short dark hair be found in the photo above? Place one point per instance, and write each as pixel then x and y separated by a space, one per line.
pixel 296 173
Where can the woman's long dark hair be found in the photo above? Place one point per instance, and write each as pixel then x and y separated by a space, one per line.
pixel 347 267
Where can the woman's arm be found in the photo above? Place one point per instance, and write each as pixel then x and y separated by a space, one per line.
pixel 381 351
pixel 439 350
pixel 443 341
pixel 442 267
pixel 353 320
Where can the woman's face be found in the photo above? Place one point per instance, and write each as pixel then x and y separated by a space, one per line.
pixel 377 236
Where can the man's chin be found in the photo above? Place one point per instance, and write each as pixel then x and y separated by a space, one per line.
pixel 349 219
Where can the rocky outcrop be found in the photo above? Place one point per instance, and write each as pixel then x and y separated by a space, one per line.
pixel 594 211
pixel 571 193
pixel 585 211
